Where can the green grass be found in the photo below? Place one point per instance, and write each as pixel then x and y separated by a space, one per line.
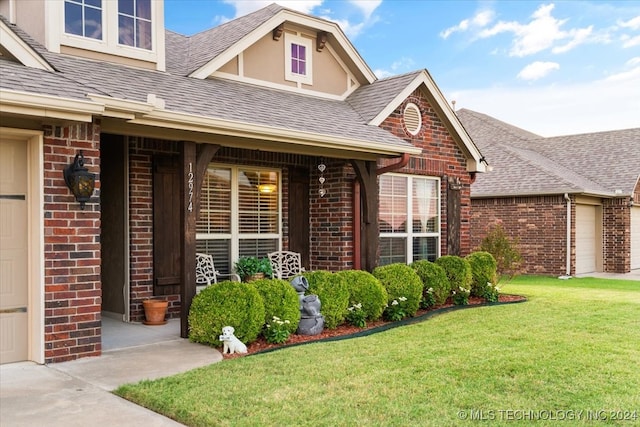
pixel 573 346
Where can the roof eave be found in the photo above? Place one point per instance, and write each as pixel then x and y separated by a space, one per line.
pixel 47 106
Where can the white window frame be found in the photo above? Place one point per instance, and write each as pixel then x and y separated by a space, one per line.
pixel 409 234
pixel 290 39
pixel 235 236
pixel 57 37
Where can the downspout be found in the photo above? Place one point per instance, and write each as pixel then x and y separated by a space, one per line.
pixel 568 267
pixel 356 207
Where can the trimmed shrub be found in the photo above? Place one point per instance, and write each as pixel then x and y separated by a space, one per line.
pixel 483 271
pixel 364 288
pixel 280 300
pixel 458 271
pixel 504 250
pixel 333 293
pixel 433 277
pixel 226 304
pixel 401 281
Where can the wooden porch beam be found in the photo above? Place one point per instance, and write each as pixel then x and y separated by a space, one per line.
pixel 366 174
pixel 188 232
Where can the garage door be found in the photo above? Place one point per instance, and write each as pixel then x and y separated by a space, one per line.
pixel 585 239
pixel 13 251
pixel 635 237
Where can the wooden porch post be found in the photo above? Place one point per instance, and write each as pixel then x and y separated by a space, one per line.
pixel 366 173
pixel 192 169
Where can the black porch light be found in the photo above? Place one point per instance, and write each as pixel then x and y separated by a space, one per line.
pixel 80 181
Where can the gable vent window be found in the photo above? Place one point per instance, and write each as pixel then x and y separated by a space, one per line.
pixel 298 56
pixel 412 119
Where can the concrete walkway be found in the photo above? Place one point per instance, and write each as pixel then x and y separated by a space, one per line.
pixel 78 393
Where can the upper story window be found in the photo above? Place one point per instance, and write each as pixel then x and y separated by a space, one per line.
pixel 298 56
pixel 134 23
pixel 83 18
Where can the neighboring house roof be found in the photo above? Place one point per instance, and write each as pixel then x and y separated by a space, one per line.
pixel 524 163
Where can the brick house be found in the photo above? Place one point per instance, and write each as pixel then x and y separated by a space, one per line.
pixel 268 132
pixel 572 201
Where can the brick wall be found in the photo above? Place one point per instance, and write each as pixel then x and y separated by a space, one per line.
pixel 441 157
pixel 71 248
pixel 616 239
pixel 538 223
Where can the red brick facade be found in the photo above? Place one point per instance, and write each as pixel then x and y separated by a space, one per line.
pixel 71 248
pixel 537 223
pixel 441 157
pixel 72 236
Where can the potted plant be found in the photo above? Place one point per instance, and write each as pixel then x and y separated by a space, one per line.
pixel 253 268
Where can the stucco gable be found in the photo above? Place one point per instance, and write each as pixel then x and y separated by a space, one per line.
pixel 211 49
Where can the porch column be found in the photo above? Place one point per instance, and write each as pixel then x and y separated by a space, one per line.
pixel 366 173
pixel 188 234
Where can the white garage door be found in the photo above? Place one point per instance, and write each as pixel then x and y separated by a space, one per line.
pixel 585 239
pixel 13 251
pixel 635 237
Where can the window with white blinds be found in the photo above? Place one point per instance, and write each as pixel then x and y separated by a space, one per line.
pixel 409 218
pixel 239 214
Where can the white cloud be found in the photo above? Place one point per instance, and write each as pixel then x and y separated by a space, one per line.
pixel 479 20
pixel 400 66
pixel 601 105
pixel 541 33
pixel 630 41
pixel 366 6
pixel 633 23
pixel 537 70
pixel 633 61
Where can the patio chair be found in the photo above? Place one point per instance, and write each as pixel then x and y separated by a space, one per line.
pixel 285 264
pixel 206 273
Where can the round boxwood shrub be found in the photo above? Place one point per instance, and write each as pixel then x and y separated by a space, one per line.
pixel 280 300
pixel 226 304
pixel 483 271
pixel 433 277
pixel 364 288
pixel 401 281
pixel 333 294
pixel 458 271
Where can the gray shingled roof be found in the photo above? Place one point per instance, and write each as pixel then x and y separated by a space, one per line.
pixel 213 98
pixel 370 100
pixel 206 45
pixel 527 164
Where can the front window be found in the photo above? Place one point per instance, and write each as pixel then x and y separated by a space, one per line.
pixel 239 214
pixel 298 59
pixel 409 218
pixel 134 23
pixel 83 18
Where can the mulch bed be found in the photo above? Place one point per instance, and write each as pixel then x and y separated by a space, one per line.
pixel 346 330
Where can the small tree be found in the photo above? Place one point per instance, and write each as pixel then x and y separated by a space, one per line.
pixel 504 250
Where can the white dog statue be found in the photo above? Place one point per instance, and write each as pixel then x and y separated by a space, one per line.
pixel 230 343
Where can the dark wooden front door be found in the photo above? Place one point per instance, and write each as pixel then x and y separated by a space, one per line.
pixel 166 225
pixel 299 213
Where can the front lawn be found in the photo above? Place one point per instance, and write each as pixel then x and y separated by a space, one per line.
pixel 574 346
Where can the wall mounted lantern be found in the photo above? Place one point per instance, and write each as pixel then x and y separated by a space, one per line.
pixel 80 181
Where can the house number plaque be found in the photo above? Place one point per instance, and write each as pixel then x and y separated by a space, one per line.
pixel 190 185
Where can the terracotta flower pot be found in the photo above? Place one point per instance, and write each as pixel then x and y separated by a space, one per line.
pixel 155 311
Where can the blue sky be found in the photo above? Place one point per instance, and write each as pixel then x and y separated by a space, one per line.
pixel 552 68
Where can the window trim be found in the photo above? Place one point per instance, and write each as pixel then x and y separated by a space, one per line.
pixel 290 39
pixel 408 235
pixel 110 31
pixel 234 236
